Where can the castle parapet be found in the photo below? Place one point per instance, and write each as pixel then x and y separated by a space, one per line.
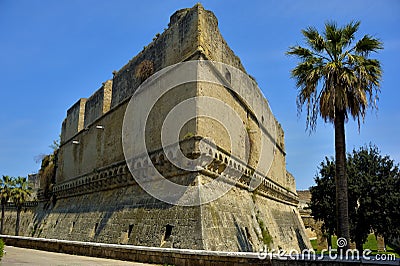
pixel 75 120
pixel 99 103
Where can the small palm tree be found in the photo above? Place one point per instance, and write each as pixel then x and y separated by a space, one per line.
pixel 6 185
pixel 336 79
pixel 20 194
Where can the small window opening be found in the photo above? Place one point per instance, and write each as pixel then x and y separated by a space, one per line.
pixel 168 232
pixel 130 230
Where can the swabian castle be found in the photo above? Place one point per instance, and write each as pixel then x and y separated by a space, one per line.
pixel 94 196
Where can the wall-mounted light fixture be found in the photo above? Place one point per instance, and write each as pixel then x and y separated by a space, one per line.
pixel 99 127
pixel 76 142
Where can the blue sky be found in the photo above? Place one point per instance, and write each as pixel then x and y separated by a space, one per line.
pixel 54 52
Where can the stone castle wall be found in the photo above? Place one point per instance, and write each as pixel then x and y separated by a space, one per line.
pixel 176 44
pixel 95 197
pixel 212 129
pixel 94 148
pixel 183 40
pixel 191 35
pixel 74 122
pixel 98 104
pixel 122 213
pixel 234 221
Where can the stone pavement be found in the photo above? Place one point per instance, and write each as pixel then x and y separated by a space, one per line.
pixel 23 256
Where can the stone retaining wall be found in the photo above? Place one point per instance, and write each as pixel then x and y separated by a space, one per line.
pixel 162 255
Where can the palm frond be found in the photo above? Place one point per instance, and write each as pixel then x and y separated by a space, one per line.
pixel 348 33
pixel 307 75
pixel 367 45
pixel 314 39
pixel 333 36
pixel 299 51
pixel 332 33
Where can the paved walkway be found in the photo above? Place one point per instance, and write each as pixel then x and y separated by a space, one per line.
pixel 23 256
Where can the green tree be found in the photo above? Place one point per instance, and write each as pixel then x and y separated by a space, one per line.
pixel 376 190
pixel 336 79
pixel 374 193
pixel 6 185
pixel 20 194
pixel 363 169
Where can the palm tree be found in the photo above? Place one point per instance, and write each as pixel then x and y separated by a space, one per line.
pixel 337 79
pixel 6 185
pixel 20 194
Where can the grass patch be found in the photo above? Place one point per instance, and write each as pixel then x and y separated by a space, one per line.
pixel 314 244
pixel 1 248
pixel 334 242
pixel 371 244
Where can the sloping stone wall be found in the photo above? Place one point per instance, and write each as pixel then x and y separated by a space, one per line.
pixel 124 215
pixel 234 221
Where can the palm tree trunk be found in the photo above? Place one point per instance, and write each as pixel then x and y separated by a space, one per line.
pixel 2 218
pixel 17 221
pixel 359 246
pixel 342 211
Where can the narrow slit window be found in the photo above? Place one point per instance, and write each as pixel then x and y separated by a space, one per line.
pixel 168 232
pixel 130 230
